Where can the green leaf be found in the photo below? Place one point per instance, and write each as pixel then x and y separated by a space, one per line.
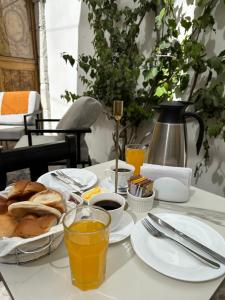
pixel 84 66
pixel 159 18
pixel 69 58
pixel 216 64
pixel 186 23
pixel 184 80
pixel 164 45
pixel 222 53
pixel 172 24
pixel 150 74
pixel 160 90
pixel 215 128
pixel 201 2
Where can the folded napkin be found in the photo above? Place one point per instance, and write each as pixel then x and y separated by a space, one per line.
pixel 156 171
pixel 8 245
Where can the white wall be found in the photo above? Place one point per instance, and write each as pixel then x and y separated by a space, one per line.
pixel 62 19
pixel 100 142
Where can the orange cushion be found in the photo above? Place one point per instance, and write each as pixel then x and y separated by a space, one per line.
pixel 15 103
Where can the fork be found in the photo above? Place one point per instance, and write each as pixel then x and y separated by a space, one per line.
pixel 159 234
pixel 75 182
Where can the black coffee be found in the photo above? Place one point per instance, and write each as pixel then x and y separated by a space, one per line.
pixel 108 204
pixel 122 170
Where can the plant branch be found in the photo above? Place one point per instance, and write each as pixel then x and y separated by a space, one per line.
pixel 193 85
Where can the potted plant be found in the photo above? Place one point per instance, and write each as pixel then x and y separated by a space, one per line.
pixel 177 66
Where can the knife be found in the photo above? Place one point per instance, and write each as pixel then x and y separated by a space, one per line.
pixel 207 250
pixel 75 188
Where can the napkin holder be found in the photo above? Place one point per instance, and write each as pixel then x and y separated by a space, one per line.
pixel 171 184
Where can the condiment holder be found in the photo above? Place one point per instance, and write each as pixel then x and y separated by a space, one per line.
pixel 140 204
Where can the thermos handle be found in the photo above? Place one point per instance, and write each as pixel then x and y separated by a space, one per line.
pixel 201 128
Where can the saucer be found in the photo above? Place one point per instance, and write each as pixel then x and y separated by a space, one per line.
pixel 107 183
pixel 123 230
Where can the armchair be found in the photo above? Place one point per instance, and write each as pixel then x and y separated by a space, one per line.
pixel 17 113
pixel 36 158
pixel 77 120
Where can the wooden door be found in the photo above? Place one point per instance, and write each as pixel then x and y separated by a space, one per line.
pixel 18 51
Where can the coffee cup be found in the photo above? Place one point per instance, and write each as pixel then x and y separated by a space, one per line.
pixel 124 173
pixel 113 203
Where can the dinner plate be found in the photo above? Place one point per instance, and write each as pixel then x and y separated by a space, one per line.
pixel 85 177
pixel 123 230
pixel 170 259
pixel 107 183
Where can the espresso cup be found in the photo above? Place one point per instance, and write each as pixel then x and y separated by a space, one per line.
pixel 113 203
pixel 124 173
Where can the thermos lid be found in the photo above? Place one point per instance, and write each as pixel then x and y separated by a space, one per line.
pixel 172 111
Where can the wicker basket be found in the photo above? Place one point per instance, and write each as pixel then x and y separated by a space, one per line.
pixel 27 249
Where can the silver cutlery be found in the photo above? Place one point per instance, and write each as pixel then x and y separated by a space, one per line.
pixel 72 180
pixel 159 234
pixel 75 189
pixel 202 247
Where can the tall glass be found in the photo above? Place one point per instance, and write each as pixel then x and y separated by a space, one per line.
pixel 134 155
pixel 86 236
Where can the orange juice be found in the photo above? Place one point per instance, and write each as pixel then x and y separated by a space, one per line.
pixel 135 157
pixel 87 243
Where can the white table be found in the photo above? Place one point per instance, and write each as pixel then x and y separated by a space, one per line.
pixel 127 278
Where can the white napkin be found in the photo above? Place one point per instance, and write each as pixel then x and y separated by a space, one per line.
pixel 156 171
pixel 7 245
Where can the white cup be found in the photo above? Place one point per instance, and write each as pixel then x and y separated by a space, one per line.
pixel 124 173
pixel 117 213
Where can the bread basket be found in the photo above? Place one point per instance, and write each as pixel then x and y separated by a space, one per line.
pixel 34 249
pixel 17 250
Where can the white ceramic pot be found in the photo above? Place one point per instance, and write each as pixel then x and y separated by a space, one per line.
pixel 139 204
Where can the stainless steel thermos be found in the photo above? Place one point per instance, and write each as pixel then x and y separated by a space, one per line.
pixel 168 145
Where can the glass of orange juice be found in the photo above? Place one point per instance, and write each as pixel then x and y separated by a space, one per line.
pixel 134 155
pixel 86 236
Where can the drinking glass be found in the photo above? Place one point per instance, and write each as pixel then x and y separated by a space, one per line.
pixel 134 155
pixel 86 236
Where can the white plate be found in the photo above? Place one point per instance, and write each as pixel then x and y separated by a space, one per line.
pixel 107 183
pixel 123 230
pixel 172 260
pixel 86 177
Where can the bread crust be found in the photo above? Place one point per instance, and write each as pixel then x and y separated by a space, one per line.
pixel 23 189
pixel 30 227
pixel 3 205
pixel 50 198
pixel 21 209
pixel 8 225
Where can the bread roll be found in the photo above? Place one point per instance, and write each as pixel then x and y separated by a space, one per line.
pixel 20 209
pixel 29 227
pixel 23 189
pixel 50 198
pixel 3 205
pixel 7 225
pixel 9 202
pixel 30 217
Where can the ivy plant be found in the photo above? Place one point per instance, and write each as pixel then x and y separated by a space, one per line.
pixel 178 64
